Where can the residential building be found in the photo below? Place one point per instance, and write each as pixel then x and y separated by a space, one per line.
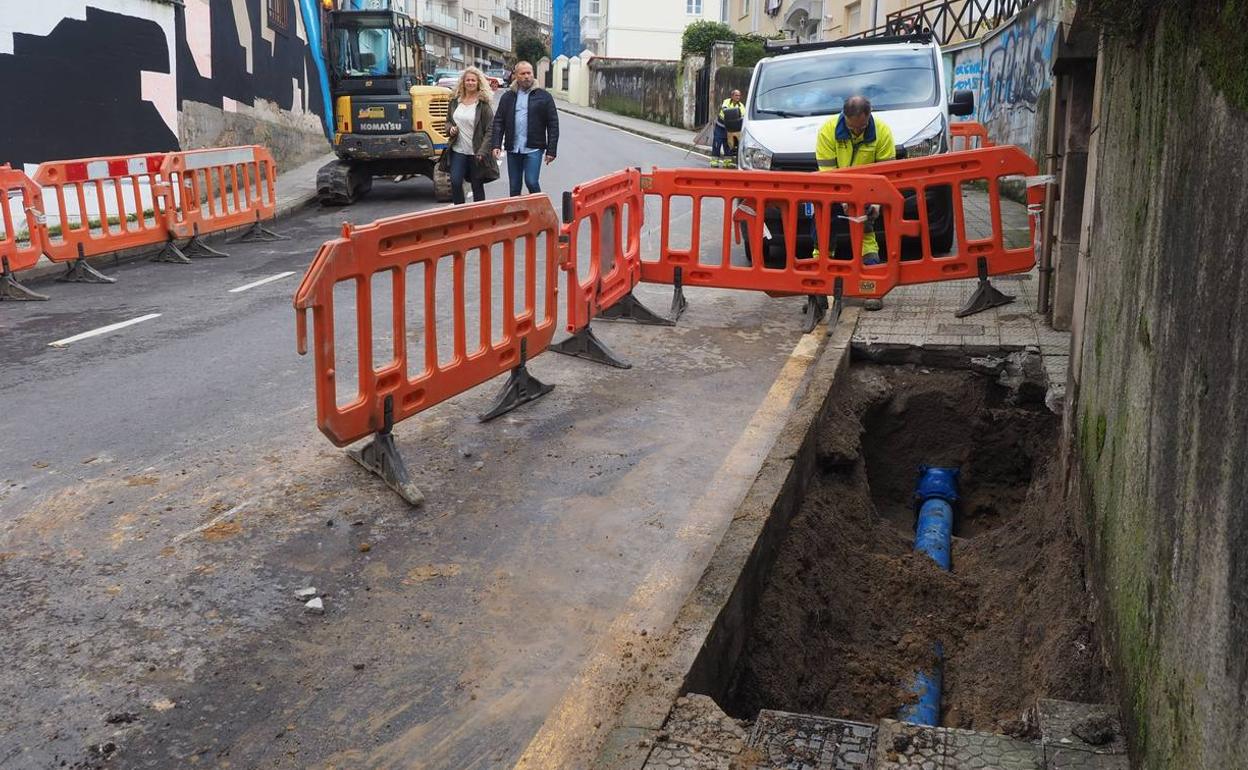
pixel 459 33
pixel 642 29
pixel 806 20
pixel 531 18
pixel 541 11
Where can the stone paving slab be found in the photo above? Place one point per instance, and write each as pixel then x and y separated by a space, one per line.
pixel 1057 718
pixel 970 750
pixel 1059 758
pixel 912 747
pixel 789 741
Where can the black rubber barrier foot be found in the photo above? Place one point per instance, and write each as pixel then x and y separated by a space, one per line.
pixel 172 254
pixel 986 295
pixel 629 308
pixel 80 271
pixel 381 457
pixel 196 247
pixel 258 233
pixel 521 388
pixel 814 311
pixel 585 344
pixel 12 290
pixel 679 304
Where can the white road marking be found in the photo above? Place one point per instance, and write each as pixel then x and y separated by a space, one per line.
pixel 261 282
pixel 212 522
pixel 104 330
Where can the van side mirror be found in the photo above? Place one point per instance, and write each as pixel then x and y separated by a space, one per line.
pixel 963 103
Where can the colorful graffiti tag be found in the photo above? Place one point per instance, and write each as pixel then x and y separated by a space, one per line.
pixel 1017 68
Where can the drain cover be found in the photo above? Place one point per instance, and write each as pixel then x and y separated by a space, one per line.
pixel 804 742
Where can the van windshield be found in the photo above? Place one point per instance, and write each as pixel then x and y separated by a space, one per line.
pixel 819 85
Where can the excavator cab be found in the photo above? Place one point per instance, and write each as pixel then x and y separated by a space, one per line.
pixel 386 123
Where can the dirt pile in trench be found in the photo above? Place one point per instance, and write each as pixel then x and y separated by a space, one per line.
pixel 851 612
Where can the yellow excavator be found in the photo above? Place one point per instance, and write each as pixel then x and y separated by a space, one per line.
pixel 387 123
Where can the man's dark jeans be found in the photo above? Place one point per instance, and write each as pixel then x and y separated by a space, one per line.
pixel 524 167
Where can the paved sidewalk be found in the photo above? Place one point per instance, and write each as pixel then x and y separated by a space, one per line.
pixel 295 188
pixel 922 317
pixel 657 131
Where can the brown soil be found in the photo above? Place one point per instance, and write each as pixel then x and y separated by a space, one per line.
pixel 850 611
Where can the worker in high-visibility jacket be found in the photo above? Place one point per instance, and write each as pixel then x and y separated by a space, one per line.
pixel 727 130
pixel 855 138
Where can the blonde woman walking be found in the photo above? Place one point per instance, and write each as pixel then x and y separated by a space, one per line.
pixel 468 155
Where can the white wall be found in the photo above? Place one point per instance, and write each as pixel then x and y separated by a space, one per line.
pixel 649 29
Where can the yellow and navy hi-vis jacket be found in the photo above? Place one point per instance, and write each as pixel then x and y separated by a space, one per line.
pixel 837 148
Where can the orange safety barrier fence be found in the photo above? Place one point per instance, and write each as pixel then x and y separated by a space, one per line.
pixel 22 237
pixel 744 196
pixel 930 178
pixel 968 135
pixel 102 205
pixel 392 388
pixel 212 190
pixel 611 208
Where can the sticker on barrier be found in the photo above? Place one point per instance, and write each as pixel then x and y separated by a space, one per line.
pixel 101 205
pixel 22 233
pixel 381 270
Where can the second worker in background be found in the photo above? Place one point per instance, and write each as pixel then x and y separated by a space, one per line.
pixel 526 125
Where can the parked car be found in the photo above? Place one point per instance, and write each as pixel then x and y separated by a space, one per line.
pixel 499 75
pixel 443 74
pixel 793 92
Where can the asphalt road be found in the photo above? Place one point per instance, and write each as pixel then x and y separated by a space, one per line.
pixel 164 492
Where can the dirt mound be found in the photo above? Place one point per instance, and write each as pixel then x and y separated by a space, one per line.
pixel 851 612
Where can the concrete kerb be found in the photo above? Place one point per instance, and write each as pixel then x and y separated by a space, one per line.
pixel 704 644
pixel 657 136
pixel 285 206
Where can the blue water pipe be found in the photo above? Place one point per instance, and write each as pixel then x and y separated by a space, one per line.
pixel 312 23
pixel 935 494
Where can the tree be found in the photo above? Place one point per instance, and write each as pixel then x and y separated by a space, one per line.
pixel 701 35
pixel 748 50
pixel 530 49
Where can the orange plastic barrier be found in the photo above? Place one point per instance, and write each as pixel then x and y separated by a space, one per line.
pixel 954 171
pixel 211 190
pixel 968 135
pixel 388 247
pixel 20 244
pixel 123 193
pixel 614 259
pixel 744 196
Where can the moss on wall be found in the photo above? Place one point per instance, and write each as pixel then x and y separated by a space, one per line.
pixel 1162 392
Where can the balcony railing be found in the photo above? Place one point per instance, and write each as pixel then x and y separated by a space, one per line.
pixel 436 18
pixel 949 21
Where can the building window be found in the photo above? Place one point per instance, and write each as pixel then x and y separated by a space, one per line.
pixel 853 17
pixel 693 7
pixel 481 24
pixel 467 16
pixel 279 15
pixel 745 8
pixel 594 8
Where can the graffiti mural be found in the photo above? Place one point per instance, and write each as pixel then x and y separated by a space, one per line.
pixel 1017 67
pixel 967 75
pixel 151 76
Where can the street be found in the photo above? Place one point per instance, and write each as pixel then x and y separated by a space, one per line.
pixel 166 493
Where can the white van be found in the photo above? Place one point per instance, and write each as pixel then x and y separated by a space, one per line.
pixel 793 92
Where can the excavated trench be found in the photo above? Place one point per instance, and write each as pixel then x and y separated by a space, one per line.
pixel 848 613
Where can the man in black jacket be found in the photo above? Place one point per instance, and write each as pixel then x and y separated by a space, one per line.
pixel 526 125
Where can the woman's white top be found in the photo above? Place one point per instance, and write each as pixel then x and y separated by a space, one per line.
pixel 466 122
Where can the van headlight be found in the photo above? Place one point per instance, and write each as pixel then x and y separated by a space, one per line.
pixel 754 155
pixel 929 141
